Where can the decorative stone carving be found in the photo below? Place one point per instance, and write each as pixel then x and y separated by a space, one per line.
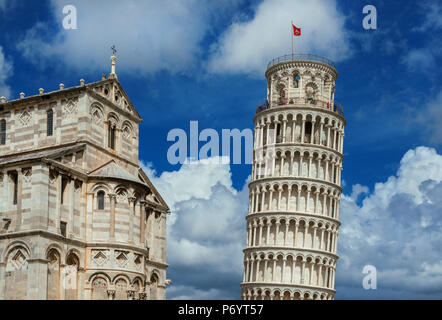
pixel 69 107
pixel 99 258
pixel 121 257
pixel 25 118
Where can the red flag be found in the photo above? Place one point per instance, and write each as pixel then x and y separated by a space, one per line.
pixel 296 31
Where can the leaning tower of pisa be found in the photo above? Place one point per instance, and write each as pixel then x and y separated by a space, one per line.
pixel 293 219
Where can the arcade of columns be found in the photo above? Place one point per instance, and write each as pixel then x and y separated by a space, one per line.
pixel 293 219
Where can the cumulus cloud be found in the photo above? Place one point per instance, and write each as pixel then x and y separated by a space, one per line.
pixel 149 35
pixel 5 73
pixel 247 46
pixel 206 230
pixel 397 228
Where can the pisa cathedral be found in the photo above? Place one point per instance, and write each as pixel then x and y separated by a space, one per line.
pixel 79 219
pixel 293 218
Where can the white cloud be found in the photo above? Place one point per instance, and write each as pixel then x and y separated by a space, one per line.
pixel 206 230
pixel 247 47
pixel 398 230
pixel 5 73
pixel 149 35
pixel 430 117
pixel 433 14
pixel 419 59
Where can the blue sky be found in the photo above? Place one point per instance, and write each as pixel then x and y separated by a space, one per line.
pixel 204 60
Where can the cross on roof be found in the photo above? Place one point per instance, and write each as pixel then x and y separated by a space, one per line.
pixel 114 50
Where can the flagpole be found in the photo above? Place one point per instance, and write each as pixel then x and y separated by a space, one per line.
pixel 291 34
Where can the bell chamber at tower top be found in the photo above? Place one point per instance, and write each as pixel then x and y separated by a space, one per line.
pixel 301 79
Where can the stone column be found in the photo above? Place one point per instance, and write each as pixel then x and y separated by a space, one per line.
pixel 37 279
pixel 142 208
pixel 265 269
pixel 71 207
pixel 295 237
pixel 324 203
pixel 246 270
pixel 132 202
pixel 306 227
pixel 252 202
pixel 312 265
pixel 279 197
pixel 316 201
pixel 286 232
pixel 301 156
pixel 303 131
pixel 276 233
pixel 19 200
pixel 314 238
pixel 289 194
pixel 298 201
pixel 302 271
pixel 282 269
pixel 269 223
pixel 260 232
pixel 328 241
pixel 112 198
pixel 88 223
pixel 252 260
pixel 254 234
pixel 2 280
pixel 328 135
pixel 312 135
pixel 319 274
pixel 263 200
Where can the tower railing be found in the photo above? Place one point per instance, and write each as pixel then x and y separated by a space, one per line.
pixel 301 57
pixel 264 104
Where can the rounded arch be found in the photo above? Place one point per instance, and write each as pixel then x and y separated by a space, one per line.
pixel 121 276
pixel 100 186
pixel 104 275
pixel 127 129
pixel 54 246
pixel 73 256
pixel 13 245
pixel 113 118
pixel 99 284
pixel 97 112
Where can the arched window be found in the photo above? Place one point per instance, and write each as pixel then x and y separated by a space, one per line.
pixel 153 287
pixel 100 200
pixel 53 277
pixel 111 135
pixel 13 176
pixel 3 132
pixel 70 277
pixel 99 289
pixel 50 122
pixel 308 127
pixel 296 80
